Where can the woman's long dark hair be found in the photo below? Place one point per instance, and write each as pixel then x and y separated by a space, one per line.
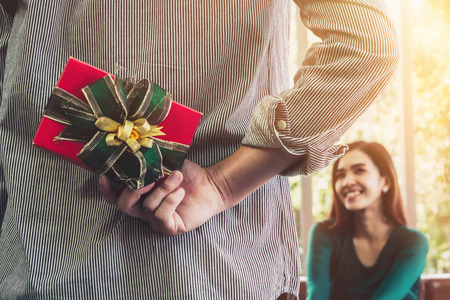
pixel 392 200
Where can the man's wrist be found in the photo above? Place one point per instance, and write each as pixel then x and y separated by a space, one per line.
pixel 219 182
pixel 246 170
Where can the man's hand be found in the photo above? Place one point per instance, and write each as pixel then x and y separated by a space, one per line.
pixel 187 199
pixel 182 202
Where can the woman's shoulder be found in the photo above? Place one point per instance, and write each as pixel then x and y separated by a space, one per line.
pixel 410 238
pixel 411 233
pixel 326 228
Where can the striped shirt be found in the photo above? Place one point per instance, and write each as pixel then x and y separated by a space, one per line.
pixel 228 59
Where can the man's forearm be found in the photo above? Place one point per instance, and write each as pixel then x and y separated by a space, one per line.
pixel 246 170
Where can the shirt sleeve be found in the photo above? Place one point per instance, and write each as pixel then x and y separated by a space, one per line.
pixel 339 79
pixel 407 268
pixel 318 265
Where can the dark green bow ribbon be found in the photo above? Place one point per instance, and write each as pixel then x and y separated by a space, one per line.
pixel 120 102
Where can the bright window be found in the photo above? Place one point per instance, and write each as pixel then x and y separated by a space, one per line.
pixel 411 119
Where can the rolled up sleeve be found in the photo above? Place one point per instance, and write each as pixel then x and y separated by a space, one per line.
pixel 339 79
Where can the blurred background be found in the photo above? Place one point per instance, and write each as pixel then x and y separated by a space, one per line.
pixel 411 119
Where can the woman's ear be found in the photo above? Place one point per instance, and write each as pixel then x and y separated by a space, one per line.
pixel 386 186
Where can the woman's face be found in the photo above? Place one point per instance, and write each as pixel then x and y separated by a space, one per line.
pixel 358 183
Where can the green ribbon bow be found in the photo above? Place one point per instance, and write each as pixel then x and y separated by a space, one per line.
pixel 115 124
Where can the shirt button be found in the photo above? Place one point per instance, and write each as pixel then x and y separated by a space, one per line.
pixel 281 125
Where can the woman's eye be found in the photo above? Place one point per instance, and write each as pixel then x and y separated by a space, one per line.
pixel 359 171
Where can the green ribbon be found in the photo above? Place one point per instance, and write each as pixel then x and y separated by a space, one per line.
pixel 119 101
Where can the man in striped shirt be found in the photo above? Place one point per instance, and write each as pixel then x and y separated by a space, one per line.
pixel 223 227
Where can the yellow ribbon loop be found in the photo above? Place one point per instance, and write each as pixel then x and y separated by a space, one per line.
pixel 135 133
pixel 133 144
pixel 107 124
pixel 145 142
pixel 112 140
pixel 141 126
pixel 125 130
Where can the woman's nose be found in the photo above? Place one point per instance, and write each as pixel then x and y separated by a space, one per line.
pixel 348 180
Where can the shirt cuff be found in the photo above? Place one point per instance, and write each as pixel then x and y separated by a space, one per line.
pixel 270 128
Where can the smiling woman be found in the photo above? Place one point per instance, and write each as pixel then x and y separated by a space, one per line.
pixel 364 250
pixel 369 170
pixel 359 183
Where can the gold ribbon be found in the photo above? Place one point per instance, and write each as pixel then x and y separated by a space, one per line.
pixel 136 133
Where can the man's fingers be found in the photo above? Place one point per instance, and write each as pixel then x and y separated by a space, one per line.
pixel 169 205
pixel 158 207
pixel 156 197
pixel 106 189
pixel 129 201
pixel 165 219
pixel 126 200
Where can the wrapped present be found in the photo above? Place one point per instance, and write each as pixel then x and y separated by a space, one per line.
pixel 131 131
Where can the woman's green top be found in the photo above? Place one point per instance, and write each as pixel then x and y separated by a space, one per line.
pixel 335 271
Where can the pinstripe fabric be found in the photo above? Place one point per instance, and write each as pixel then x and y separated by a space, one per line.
pixel 60 240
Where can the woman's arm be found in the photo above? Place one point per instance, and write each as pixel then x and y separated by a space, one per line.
pixel 318 265
pixel 408 265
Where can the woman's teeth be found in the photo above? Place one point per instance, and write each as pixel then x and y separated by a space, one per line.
pixel 353 194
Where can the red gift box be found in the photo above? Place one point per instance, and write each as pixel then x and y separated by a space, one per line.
pixel 179 126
